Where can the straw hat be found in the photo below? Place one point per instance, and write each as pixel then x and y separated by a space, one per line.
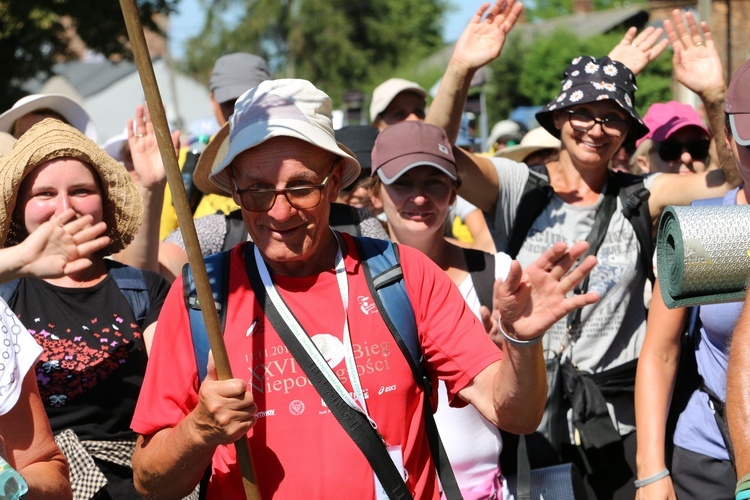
pixel 51 139
pixel 6 143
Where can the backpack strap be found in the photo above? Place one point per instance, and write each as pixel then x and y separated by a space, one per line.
pixel 129 280
pixel 8 289
pixel 482 271
pixel 535 197
pixel 236 230
pixel 385 279
pixel 133 286
pixel 217 267
pixel 634 198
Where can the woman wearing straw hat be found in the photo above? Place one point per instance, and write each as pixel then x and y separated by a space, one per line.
pixel 593 114
pixel 94 325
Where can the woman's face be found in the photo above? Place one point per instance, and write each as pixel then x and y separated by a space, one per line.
pixel 418 201
pixel 55 186
pixel 595 145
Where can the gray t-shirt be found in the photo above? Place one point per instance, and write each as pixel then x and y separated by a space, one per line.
pixel 613 328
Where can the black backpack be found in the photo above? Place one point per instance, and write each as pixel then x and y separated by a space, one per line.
pixel 633 195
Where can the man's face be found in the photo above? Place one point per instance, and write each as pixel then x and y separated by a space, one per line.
pixel 292 241
pixel 404 107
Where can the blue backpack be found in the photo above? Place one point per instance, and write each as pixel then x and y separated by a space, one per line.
pixel 129 280
pixel 385 280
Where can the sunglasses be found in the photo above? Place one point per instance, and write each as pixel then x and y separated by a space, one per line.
pixel 671 151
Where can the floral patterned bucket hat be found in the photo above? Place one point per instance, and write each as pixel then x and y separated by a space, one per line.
pixel 587 80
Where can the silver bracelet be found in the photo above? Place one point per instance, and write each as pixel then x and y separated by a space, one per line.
pixel 651 479
pixel 514 341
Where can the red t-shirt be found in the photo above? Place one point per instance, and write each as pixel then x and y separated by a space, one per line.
pixel 298 448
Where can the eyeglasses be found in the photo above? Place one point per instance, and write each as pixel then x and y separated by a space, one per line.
pixel 583 122
pixel 672 150
pixel 300 197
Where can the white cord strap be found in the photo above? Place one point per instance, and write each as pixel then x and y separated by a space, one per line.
pixel 517 342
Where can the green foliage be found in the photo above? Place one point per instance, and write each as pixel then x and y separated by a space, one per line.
pixel 337 44
pixel 32 36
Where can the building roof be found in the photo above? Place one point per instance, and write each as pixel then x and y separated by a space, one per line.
pixel 588 24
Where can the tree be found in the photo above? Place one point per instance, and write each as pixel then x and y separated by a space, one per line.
pixel 34 35
pixel 337 44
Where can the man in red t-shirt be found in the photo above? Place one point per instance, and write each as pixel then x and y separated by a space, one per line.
pixel 283 166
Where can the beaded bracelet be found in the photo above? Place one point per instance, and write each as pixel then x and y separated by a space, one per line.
pixel 651 479
pixel 517 342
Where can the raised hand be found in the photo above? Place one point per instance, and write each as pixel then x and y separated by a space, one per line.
pixel 483 38
pixel 530 301
pixel 226 409
pixel 60 246
pixel 144 150
pixel 696 61
pixel 636 50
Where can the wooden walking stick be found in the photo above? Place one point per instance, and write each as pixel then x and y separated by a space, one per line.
pixel 185 220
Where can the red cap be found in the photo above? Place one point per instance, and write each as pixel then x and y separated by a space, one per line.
pixel 738 105
pixel 664 119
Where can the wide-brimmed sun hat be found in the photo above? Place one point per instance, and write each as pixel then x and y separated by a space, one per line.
pixel 277 108
pixel 535 140
pixel 6 143
pixel 588 80
pixel 51 139
pixel 63 105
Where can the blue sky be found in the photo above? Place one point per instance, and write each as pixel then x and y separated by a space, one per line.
pixel 188 21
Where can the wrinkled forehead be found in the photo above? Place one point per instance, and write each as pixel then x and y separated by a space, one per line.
pixel 272 154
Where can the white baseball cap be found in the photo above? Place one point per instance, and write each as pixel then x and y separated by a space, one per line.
pixel 387 91
pixel 66 107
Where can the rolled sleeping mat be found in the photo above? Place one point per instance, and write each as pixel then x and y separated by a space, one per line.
pixel 703 254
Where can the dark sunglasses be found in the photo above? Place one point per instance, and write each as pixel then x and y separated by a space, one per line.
pixel 671 151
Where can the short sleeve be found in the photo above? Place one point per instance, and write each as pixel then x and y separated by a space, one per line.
pixel 18 353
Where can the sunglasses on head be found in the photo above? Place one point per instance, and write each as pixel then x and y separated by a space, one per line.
pixel 671 150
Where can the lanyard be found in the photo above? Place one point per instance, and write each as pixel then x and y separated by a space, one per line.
pixel 299 333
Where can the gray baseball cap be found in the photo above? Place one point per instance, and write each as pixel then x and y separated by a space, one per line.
pixel 234 74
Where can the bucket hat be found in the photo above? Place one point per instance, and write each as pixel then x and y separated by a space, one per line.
pixel 278 108
pixel 588 80
pixel 51 139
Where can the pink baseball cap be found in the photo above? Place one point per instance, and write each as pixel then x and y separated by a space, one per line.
pixel 664 119
pixel 738 105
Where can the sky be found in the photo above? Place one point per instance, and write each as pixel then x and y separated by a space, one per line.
pixel 188 21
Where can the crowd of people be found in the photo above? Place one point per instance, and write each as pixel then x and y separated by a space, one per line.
pixel 399 304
